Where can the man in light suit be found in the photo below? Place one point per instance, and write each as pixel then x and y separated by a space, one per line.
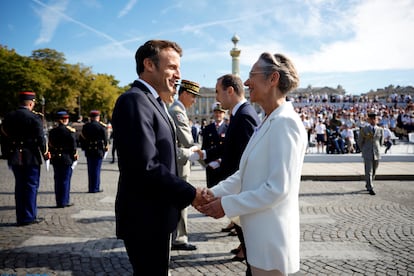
pixel 150 193
pixel 186 152
pixel 243 121
pixel 370 139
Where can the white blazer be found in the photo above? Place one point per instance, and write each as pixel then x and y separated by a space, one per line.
pixel 264 192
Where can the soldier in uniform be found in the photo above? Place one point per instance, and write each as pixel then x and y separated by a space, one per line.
pixel 62 146
pixel 213 138
pixel 24 146
pixel 95 143
pixel 187 152
pixel 370 139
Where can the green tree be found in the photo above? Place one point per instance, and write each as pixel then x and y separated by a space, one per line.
pixel 18 73
pixel 73 87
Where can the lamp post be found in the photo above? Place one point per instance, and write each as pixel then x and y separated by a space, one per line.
pixel 79 110
pixel 43 102
pixel 235 54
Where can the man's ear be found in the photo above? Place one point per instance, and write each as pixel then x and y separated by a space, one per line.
pixel 149 64
pixel 230 90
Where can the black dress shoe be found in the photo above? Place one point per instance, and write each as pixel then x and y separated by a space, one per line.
pixel 227 229
pixel 233 233
pixel 371 192
pixel 35 221
pixel 237 259
pixel 184 246
pixel 100 191
pixel 235 251
pixel 63 206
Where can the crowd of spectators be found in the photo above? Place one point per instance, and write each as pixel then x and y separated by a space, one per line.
pixel 344 116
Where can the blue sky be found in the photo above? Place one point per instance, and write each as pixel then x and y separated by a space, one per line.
pixel 359 44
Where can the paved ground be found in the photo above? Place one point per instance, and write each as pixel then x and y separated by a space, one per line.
pixel 344 231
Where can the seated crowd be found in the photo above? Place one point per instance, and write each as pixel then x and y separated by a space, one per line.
pixel 334 127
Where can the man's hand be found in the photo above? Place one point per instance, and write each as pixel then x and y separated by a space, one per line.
pixel 47 156
pixel 213 209
pixel 194 157
pixel 203 196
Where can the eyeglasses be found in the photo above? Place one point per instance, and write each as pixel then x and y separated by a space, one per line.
pixel 252 73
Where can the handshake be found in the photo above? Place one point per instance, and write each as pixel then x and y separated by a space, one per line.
pixel 205 202
pixel 196 154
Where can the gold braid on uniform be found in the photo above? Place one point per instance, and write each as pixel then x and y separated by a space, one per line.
pixel 367 135
pixel 71 129
pixel 40 114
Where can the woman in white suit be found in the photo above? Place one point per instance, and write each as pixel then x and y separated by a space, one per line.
pixel 264 192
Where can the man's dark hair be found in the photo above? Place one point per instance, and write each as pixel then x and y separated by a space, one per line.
pixel 233 81
pixel 151 49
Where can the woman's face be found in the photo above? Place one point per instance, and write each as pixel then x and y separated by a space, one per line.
pixel 258 84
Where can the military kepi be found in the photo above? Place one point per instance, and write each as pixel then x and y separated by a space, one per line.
pixel 217 107
pixel 190 86
pixel 94 113
pixel 62 114
pixel 372 115
pixel 27 96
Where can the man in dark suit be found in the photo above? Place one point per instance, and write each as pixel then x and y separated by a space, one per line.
pixel 150 193
pixel 213 137
pixel 94 142
pixel 24 145
pixel 243 121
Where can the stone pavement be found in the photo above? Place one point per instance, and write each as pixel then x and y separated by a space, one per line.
pixel 344 231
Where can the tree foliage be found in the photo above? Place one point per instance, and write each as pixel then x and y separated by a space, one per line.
pixel 73 87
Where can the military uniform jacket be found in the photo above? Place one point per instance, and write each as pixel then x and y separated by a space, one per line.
pixel 23 138
pixel 241 128
pixel 370 142
pixel 62 145
pixel 93 139
pixel 184 137
pixel 213 139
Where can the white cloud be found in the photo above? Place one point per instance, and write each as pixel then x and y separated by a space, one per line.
pixel 50 17
pixel 382 41
pixel 342 36
pixel 127 8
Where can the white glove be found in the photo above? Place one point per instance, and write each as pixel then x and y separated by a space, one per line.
pixel 214 164
pixel 194 157
pixel 194 148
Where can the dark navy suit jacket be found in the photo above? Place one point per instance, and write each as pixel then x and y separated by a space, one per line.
pixel 150 194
